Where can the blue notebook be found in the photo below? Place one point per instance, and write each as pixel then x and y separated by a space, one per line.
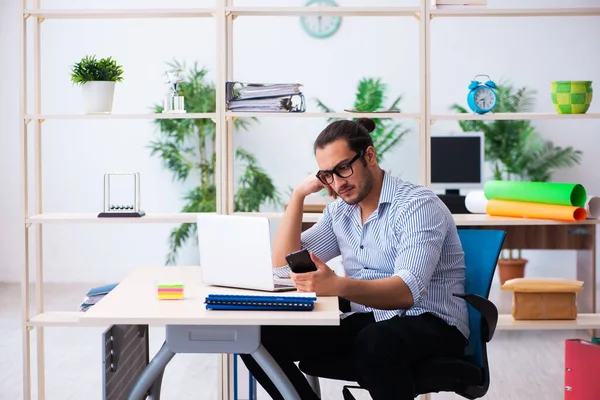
pixel 258 302
pixel 101 290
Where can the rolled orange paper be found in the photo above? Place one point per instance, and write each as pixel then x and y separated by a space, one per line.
pixel 535 210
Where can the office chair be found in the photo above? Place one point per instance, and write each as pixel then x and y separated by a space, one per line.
pixel 469 376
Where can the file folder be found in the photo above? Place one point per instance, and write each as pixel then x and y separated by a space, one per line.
pixel 258 302
pixel 288 103
pixel 100 290
pixel 264 97
pixel 243 91
pixel 582 358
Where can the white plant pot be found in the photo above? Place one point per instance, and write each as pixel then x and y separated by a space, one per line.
pixel 98 97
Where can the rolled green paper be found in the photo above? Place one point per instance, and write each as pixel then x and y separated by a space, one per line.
pixel 565 194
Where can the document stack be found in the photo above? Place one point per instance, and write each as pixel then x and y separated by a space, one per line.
pixel 296 302
pixel 456 3
pixel 263 97
pixel 95 295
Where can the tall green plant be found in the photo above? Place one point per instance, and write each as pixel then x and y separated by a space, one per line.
pixel 514 148
pixel 370 97
pixel 187 149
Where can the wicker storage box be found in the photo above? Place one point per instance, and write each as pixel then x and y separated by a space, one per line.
pixel 543 298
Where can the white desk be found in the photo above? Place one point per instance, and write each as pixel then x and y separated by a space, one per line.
pixel 190 328
pixel 522 233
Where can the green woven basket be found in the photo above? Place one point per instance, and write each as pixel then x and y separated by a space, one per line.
pixel 572 97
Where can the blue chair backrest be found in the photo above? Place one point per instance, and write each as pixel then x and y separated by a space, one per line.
pixel 482 249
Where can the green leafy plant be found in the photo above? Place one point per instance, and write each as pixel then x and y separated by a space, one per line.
pixel 370 97
pixel 187 149
pixel 514 148
pixel 91 69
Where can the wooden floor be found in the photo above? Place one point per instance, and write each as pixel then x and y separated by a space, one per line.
pixel 524 365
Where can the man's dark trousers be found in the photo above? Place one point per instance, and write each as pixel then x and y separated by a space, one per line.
pixel 382 352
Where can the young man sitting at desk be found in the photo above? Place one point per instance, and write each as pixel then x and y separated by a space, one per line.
pixel 403 261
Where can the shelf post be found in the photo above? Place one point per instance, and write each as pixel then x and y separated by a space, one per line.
pixel 221 166
pixel 229 124
pixel 24 261
pixel 39 270
pixel 224 169
pixel 424 100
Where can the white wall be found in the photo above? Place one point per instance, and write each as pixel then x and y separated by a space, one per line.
pixel 527 51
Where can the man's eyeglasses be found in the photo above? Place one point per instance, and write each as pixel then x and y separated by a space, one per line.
pixel 343 170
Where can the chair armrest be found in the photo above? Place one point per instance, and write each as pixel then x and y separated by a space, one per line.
pixel 488 311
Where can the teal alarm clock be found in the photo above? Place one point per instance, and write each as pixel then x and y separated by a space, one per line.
pixel 482 97
pixel 321 26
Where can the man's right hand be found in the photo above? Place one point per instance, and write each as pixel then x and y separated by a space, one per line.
pixel 288 237
pixel 312 184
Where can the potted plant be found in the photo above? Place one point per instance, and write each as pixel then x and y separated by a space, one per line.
pixel 97 79
pixel 370 98
pixel 187 148
pixel 517 152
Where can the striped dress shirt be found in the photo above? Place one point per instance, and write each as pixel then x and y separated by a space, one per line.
pixel 411 235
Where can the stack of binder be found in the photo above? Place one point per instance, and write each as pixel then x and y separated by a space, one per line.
pixel 260 302
pixel 582 357
pixel 263 97
pixel 95 295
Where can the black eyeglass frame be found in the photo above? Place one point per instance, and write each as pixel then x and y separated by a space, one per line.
pixel 333 171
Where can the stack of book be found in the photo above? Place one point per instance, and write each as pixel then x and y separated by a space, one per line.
pixel 95 295
pixel 263 97
pixel 457 3
pixel 263 302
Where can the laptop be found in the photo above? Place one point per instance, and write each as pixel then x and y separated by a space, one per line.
pixel 235 251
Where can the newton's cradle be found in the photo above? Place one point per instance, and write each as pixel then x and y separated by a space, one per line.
pixel 122 210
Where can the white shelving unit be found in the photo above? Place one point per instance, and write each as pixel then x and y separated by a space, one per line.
pixel 224 13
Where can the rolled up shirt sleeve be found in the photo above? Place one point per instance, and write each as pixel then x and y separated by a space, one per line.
pixel 422 230
pixel 282 272
pixel 320 239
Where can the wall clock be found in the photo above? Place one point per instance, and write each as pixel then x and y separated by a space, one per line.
pixel 320 26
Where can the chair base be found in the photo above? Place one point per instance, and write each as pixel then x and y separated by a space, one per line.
pixel 438 375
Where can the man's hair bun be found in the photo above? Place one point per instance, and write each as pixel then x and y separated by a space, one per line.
pixel 366 123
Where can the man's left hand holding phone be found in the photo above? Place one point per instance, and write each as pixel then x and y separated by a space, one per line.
pixel 311 275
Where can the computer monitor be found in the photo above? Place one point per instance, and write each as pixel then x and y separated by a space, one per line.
pixel 456 162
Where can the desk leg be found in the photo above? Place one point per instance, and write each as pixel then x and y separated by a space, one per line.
pixel 272 369
pixel 151 374
pixel 156 386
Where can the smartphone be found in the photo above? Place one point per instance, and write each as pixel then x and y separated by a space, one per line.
pixel 300 262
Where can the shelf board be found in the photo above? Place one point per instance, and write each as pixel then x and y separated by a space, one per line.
pixel 36 117
pixel 56 318
pixel 320 115
pixel 490 220
pixel 478 11
pixel 274 216
pixel 119 13
pixel 584 321
pixel 52 218
pixel 340 11
pixel 510 116
pixel 177 218
pixel 120 116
